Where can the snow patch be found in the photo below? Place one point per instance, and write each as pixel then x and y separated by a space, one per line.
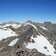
pixel 43 28
pixel 1 48
pixel 12 43
pixel 0 26
pixel 40 43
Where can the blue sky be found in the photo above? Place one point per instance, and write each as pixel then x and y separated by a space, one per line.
pixel 23 10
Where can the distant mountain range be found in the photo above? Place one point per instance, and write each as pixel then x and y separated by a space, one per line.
pixel 27 39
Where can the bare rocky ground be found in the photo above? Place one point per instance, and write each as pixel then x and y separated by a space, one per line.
pixel 21 52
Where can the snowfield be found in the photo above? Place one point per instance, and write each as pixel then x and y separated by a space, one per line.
pixel 6 33
pixel 12 43
pixel 42 45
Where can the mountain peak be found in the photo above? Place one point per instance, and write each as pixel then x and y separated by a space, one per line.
pixel 29 21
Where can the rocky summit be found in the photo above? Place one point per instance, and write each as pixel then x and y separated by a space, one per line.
pixel 28 39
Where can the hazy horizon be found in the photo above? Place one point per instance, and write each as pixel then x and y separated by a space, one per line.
pixel 12 21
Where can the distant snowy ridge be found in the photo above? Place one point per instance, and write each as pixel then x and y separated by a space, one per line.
pixel 31 25
pixel 13 25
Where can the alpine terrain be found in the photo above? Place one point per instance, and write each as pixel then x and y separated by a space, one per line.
pixel 28 39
